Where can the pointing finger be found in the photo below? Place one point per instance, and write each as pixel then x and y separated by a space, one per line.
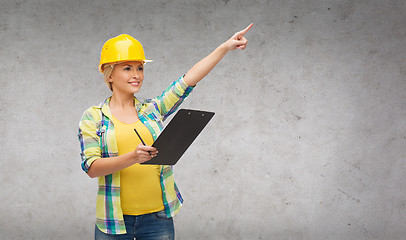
pixel 242 32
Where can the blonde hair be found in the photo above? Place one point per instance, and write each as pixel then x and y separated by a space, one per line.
pixel 107 71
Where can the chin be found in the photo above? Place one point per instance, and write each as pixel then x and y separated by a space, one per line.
pixel 135 90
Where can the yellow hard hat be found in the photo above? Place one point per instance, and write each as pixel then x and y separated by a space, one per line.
pixel 121 48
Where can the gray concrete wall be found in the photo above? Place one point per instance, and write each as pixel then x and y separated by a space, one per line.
pixel 309 137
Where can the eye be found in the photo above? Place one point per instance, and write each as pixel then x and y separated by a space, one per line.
pixel 127 69
pixel 141 69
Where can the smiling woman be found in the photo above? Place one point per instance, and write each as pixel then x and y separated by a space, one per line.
pixel 132 195
pixel 126 75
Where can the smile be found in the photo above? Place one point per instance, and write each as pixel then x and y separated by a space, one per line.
pixel 135 84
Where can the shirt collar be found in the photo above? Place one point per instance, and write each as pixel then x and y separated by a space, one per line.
pixel 105 107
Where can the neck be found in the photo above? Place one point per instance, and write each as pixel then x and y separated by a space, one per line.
pixel 122 101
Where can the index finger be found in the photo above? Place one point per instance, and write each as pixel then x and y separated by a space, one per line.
pixel 242 32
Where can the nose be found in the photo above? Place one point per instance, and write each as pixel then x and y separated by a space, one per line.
pixel 136 74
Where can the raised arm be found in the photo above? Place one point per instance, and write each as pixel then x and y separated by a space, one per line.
pixel 204 66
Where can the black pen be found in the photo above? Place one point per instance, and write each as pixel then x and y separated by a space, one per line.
pixel 142 140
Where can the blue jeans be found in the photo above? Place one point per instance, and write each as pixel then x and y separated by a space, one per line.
pixel 153 226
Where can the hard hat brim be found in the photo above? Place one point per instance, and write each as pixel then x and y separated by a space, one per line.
pixel 101 68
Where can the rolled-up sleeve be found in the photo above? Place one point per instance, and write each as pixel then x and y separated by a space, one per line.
pixel 89 140
pixel 172 97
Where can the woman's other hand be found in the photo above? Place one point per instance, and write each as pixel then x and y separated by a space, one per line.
pixel 238 40
pixel 144 153
pixel 204 66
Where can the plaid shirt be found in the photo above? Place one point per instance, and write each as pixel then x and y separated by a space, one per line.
pixel 97 139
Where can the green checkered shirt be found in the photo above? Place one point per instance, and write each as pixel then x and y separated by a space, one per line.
pixel 97 139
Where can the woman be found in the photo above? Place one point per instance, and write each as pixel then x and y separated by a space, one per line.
pixel 135 201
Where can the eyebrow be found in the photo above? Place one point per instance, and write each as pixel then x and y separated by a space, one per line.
pixel 132 65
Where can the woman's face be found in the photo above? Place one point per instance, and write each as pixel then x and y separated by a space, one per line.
pixel 127 77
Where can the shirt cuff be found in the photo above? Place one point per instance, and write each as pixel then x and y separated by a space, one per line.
pixel 184 85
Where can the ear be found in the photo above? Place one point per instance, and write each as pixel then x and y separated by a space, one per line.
pixel 110 79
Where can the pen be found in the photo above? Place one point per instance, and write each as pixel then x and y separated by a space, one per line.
pixel 142 140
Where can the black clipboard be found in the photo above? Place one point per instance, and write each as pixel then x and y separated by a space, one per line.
pixel 178 135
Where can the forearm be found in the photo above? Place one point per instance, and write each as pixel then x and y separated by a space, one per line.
pixel 204 66
pixel 106 166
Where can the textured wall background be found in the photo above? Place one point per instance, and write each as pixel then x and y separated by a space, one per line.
pixel 309 137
